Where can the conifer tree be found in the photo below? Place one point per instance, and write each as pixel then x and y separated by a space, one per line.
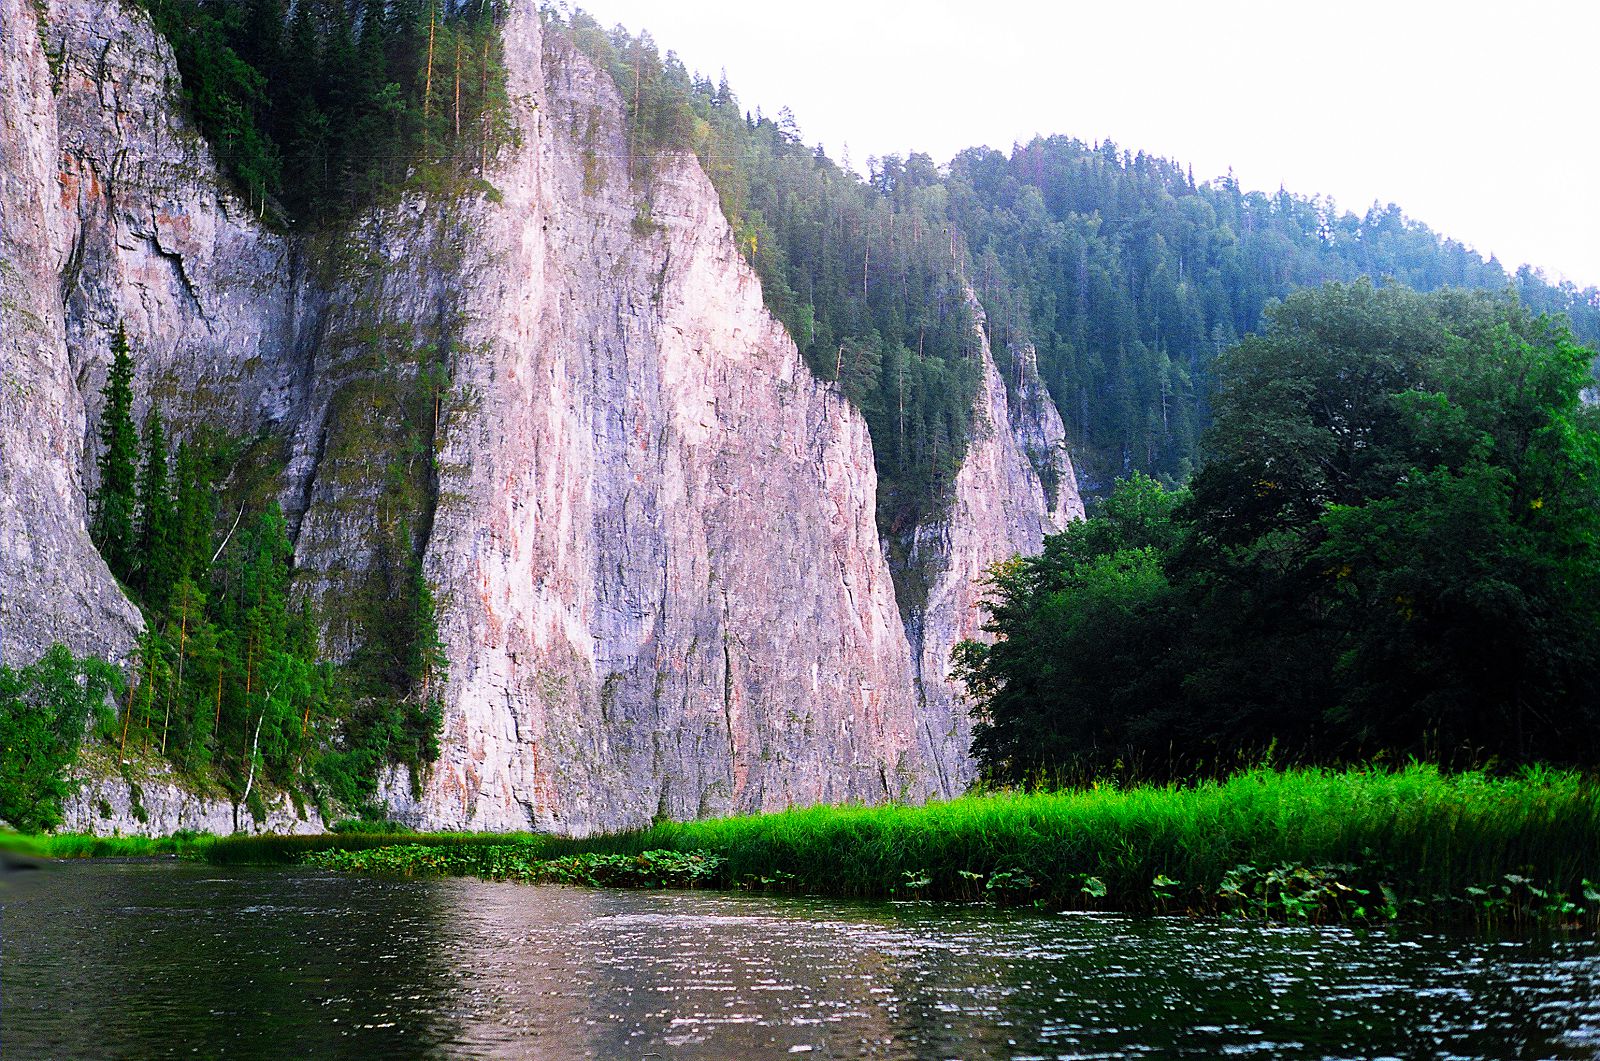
pixel 113 529
pixel 193 514
pixel 154 553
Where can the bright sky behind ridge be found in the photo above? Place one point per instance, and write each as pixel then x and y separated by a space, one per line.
pixel 1478 118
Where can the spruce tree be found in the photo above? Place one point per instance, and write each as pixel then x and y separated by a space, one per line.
pixel 193 514
pixel 113 530
pixel 154 553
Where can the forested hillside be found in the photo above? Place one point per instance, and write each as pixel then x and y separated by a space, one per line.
pixel 321 107
pixel 1126 274
pixel 1130 278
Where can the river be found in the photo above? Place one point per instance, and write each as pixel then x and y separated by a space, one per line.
pixel 166 959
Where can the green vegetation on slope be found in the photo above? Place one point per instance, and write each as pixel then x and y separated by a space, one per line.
pixel 229 681
pixel 1302 844
pixel 1393 551
pixel 323 107
pixel 1131 279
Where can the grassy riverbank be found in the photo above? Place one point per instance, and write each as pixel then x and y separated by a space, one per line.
pixel 1320 845
pixel 84 845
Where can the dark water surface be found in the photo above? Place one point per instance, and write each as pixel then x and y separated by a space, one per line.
pixel 149 960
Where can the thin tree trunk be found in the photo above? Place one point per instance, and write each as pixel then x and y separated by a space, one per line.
pixel 229 536
pixel 483 101
pixel 902 405
pixel 149 698
pixel 250 780
pixel 127 717
pixel 633 130
pixel 183 635
pixel 427 89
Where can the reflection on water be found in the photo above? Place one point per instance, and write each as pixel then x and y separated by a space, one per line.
pixel 145 960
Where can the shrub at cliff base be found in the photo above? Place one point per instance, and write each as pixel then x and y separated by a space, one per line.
pixel 45 710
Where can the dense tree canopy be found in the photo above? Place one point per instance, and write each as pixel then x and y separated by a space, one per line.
pixel 1393 548
pixel 1130 278
pixel 320 107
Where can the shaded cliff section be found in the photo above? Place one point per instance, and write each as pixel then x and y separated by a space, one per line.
pixel 649 528
pixel 1016 485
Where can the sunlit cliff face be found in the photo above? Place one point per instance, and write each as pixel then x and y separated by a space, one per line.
pixel 661 585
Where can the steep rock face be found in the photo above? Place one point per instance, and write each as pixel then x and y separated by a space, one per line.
pixel 1001 506
pixel 650 528
pixel 53 584
pixel 157 802
pixel 113 213
pixel 666 592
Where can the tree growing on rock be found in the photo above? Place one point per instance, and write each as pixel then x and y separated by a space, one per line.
pixel 155 555
pixel 113 529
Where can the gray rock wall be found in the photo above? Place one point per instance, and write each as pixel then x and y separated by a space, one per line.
pixel 661 586
pixel 1000 508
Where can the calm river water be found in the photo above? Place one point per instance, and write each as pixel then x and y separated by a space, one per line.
pixel 149 960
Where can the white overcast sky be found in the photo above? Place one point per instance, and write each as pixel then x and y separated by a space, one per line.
pixel 1478 118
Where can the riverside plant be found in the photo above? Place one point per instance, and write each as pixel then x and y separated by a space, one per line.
pixel 647 869
pixel 1362 845
pixel 83 845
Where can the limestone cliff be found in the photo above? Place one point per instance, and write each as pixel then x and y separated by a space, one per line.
pixel 1001 506
pixel 53 585
pixel 652 530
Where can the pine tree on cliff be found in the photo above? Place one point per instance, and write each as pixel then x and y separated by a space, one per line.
pixel 193 515
pixel 112 529
pixel 154 553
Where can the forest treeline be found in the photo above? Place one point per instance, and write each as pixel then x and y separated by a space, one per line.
pixel 1391 551
pixel 322 107
pixel 1130 279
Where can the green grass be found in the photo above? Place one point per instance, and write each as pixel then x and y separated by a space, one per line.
pixel 1365 844
pixel 1315 843
pixel 85 845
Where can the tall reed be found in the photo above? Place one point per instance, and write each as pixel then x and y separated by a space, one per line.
pixel 1423 833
